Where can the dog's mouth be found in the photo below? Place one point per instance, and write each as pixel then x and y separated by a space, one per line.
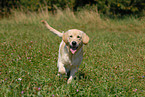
pixel 73 49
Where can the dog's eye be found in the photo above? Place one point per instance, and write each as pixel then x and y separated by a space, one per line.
pixel 70 36
pixel 78 36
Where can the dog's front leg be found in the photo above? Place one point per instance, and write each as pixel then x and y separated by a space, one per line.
pixel 61 69
pixel 72 73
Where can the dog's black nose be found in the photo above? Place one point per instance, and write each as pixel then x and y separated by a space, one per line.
pixel 74 43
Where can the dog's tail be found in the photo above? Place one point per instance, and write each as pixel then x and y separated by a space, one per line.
pixel 52 29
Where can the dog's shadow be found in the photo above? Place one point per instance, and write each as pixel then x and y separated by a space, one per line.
pixel 79 76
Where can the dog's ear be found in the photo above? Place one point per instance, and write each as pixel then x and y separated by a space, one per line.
pixel 85 38
pixel 65 38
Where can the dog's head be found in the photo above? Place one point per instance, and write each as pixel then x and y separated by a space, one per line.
pixel 74 39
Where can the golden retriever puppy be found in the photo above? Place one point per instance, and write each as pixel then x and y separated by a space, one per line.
pixel 70 50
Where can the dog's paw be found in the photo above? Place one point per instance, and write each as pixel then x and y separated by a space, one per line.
pixel 69 81
pixel 62 70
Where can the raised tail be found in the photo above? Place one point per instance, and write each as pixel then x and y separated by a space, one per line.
pixel 52 29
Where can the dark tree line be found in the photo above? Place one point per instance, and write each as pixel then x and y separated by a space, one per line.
pixel 108 7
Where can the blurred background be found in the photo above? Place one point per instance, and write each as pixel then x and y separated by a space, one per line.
pixel 111 8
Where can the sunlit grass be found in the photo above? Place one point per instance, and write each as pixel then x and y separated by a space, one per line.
pixel 113 65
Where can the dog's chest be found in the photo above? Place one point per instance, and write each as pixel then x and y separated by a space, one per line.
pixel 77 58
pixel 67 58
pixel 73 59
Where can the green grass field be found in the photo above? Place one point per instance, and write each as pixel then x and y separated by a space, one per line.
pixel 113 64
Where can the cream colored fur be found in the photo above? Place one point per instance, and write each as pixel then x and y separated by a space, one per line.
pixel 70 50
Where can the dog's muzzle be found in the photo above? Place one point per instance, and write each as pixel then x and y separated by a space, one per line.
pixel 73 47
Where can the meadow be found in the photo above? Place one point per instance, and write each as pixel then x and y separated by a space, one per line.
pixel 113 64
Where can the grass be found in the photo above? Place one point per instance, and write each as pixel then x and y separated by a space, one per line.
pixel 113 65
